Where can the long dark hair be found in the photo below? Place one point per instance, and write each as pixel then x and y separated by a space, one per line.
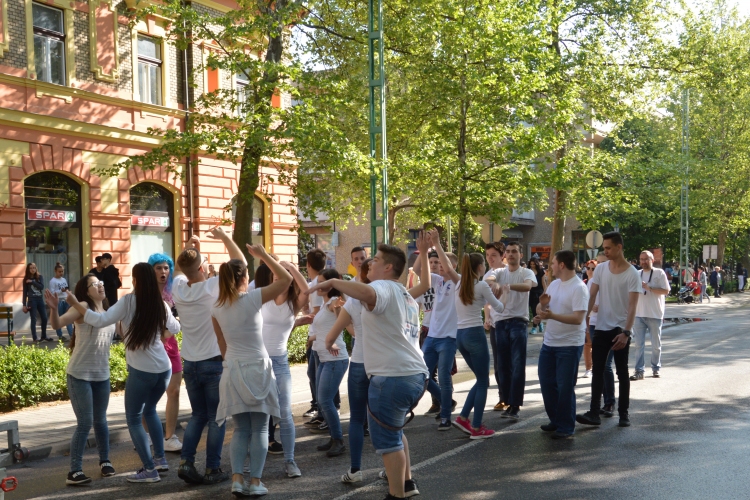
pixel 331 274
pixel 81 292
pixel 468 274
pixel 230 275
pixel 264 277
pixel 150 318
pixel 28 274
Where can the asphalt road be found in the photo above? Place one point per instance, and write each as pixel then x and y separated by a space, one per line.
pixel 688 440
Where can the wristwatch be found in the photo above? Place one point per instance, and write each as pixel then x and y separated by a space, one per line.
pixel 628 333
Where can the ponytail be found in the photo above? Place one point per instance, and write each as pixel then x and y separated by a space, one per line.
pixel 469 267
pixel 230 276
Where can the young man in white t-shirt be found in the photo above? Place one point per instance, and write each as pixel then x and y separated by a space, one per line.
pixel 619 284
pixel 494 252
pixel 649 315
pixel 358 255
pixel 426 303
pixel 563 306
pixel 194 297
pixel 316 263
pixel 393 360
pixel 512 328
pixel 439 347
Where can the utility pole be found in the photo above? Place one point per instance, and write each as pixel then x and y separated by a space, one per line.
pixel 376 75
pixel 684 205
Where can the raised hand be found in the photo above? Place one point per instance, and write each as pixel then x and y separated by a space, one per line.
pixel 51 299
pixel 423 242
pixel 217 232
pixel 544 301
pixel 323 285
pixel 434 237
pixel 194 242
pixel 257 251
pixel 71 299
pixel 287 265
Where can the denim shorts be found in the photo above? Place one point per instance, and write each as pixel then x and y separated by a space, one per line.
pixel 389 400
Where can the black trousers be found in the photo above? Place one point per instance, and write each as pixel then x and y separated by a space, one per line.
pixel 601 344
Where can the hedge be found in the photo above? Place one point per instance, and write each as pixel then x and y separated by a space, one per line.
pixel 30 375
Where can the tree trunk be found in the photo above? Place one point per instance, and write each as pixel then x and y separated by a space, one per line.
pixel 461 231
pixel 558 222
pixel 243 219
pixel 721 247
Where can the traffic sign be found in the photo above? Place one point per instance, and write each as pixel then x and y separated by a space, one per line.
pixel 594 239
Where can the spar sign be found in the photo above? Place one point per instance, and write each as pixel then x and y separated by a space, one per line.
pixel 149 221
pixel 51 215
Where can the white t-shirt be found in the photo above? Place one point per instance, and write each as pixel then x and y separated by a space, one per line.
pixel 614 290
pixel 427 302
pixel 444 321
pixel 151 358
pixel 278 323
pixel 324 322
pixel 315 301
pixel 592 316
pixel 566 297
pixel 516 303
pixel 651 305
pixel 390 333
pixel 194 304
pixel 56 285
pixel 241 323
pixel 354 308
pixel 471 315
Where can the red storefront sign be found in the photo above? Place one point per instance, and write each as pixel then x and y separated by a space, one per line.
pixel 51 215
pixel 149 221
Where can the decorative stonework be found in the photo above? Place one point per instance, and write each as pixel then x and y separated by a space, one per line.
pixel 103 35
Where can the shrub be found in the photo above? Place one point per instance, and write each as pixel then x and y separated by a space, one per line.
pixel 297 344
pixel 29 375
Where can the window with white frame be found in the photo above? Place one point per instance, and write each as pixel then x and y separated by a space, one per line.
pixel 242 87
pixel 149 69
pixel 49 44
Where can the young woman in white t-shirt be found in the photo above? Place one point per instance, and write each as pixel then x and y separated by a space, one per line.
pixel 471 340
pixel 333 363
pixel 87 375
pixel 247 390
pixel 358 383
pixel 146 320
pixel 278 322
pixel 59 285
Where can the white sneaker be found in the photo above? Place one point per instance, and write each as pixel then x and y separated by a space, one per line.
pixel 352 477
pixel 172 444
pixel 587 374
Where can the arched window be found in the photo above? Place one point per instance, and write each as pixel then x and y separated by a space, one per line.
pixel 53 224
pixel 151 221
pixel 258 229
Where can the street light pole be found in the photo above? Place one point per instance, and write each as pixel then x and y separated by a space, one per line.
pixel 376 76
pixel 684 205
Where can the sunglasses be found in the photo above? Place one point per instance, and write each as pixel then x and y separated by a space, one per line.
pixel 590 268
pixel 96 283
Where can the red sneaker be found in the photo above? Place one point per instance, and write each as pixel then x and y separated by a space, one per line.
pixel 463 424
pixel 482 433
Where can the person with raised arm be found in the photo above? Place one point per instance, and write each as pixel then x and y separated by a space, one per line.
pixel 392 358
pixel 87 375
pixel 146 321
pixel 194 296
pixel 278 322
pixel 247 390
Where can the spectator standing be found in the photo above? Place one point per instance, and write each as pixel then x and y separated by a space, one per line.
pixel 316 262
pixel 537 291
pixel 620 288
pixel 740 277
pixel 358 256
pixel 33 301
pixel 59 286
pixel 494 252
pixel 563 306
pixel 716 282
pixel 111 277
pixel 703 283
pixel 649 315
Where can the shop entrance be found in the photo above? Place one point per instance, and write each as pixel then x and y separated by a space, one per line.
pixel 151 221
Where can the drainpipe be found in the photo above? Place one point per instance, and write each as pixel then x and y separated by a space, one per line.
pixel 188 166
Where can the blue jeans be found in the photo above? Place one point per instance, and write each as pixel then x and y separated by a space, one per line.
pixel 36 307
pixel 495 354
pixel 441 353
pixel 316 403
pixel 202 383
pixel 286 422
pixel 250 435
pixel 358 385
pixel 390 399
pixel 512 337
pixel 653 326
pixel 89 401
pixel 143 390
pixel 312 368
pixel 329 376
pixel 472 342
pixel 558 372
pixel 62 308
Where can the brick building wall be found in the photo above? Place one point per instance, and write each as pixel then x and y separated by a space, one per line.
pixel 16 56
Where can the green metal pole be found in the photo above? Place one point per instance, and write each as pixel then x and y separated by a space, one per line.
pixel 684 205
pixel 377 131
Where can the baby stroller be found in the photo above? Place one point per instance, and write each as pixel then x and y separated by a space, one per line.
pixel 689 293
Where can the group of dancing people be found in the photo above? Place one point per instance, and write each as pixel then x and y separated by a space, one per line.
pixel 234 346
